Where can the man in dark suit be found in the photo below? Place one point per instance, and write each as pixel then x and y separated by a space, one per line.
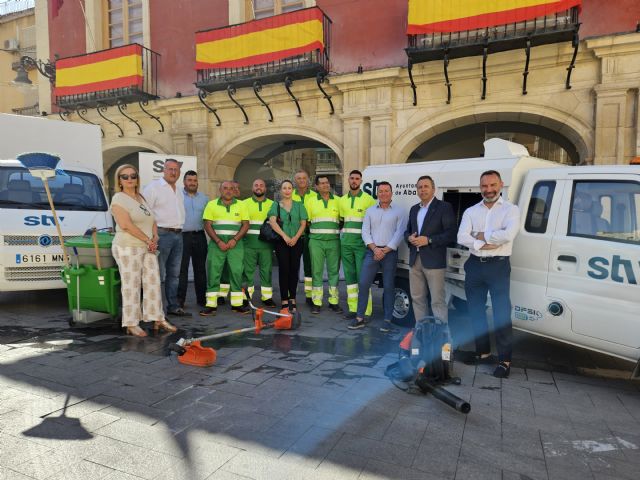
pixel 431 228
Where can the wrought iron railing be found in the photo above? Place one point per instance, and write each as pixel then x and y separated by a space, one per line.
pixel 32 110
pixel 541 30
pixel 142 92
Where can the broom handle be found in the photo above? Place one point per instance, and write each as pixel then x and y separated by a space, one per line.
pixel 55 219
pixel 94 237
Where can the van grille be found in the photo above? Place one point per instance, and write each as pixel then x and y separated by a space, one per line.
pixel 23 274
pixel 31 240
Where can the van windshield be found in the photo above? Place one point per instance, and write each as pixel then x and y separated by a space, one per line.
pixel 70 190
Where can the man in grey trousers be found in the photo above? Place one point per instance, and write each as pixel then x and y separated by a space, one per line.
pixel 431 228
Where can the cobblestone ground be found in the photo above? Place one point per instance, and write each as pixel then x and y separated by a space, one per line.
pixel 310 404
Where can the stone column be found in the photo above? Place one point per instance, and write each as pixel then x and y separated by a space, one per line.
pixel 617 129
pixel 356 144
pixel 381 130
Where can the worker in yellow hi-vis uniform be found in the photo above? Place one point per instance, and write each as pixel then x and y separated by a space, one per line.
pixel 353 206
pixel 300 194
pixel 224 278
pixel 226 221
pixel 257 252
pixel 324 245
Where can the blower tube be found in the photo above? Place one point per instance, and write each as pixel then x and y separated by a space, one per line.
pixel 443 395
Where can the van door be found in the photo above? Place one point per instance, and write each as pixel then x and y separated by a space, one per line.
pixel 594 267
pixel 539 206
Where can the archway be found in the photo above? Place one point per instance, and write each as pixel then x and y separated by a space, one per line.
pixel 276 156
pixel 118 155
pixel 546 134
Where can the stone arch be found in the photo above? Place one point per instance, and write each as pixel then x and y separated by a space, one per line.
pixel 577 131
pixel 115 149
pixel 225 160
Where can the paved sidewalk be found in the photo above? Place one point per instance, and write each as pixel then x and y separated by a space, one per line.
pixel 310 404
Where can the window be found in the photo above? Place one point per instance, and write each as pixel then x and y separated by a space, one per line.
pixel 123 22
pixel 539 207
pixel 268 8
pixel 607 210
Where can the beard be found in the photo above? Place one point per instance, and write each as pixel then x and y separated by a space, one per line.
pixel 493 199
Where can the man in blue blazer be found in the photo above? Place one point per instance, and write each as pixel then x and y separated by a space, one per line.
pixel 431 229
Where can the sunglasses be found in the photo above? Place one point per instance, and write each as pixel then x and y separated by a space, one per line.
pixel 133 176
pixel 144 209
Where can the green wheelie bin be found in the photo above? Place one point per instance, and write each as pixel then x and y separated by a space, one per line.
pixel 93 280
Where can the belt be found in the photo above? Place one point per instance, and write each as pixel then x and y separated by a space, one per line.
pixel 193 231
pixel 174 230
pixel 380 246
pixel 489 259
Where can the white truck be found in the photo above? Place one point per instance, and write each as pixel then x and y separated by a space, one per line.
pixel 576 260
pixel 30 253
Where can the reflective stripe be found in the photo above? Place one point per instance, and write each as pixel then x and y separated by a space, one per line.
pixel 266 289
pixel 253 232
pixel 353 285
pixel 354 219
pixel 324 230
pixel 225 232
pixel 352 295
pixel 225 222
pixel 351 230
pixel 324 219
pixel 256 222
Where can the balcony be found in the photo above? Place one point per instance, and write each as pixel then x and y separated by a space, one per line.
pixel 114 76
pixel 556 28
pixel 446 40
pixel 294 60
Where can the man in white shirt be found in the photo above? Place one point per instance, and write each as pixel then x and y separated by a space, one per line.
pixel 488 229
pixel 167 204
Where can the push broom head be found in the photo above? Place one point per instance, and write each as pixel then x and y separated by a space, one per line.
pixel 198 356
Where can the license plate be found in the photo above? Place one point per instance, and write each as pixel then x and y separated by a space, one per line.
pixel 37 258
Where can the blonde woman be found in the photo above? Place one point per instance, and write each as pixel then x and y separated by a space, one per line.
pixel 134 249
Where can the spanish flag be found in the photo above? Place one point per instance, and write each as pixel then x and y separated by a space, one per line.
pixel 119 67
pixel 261 41
pixel 440 16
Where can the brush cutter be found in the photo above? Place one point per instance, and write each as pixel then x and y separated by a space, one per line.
pixel 191 352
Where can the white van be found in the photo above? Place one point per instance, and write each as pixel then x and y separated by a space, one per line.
pixel 576 260
pixel 30 253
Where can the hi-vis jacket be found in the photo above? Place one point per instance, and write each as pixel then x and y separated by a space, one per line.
pixel 352 210
pixel 226 220
pixel 257 212
pixel 324 216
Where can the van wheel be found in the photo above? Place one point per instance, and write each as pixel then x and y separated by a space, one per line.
pixel 402 307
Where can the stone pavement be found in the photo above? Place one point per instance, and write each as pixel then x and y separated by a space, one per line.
pixel 311 404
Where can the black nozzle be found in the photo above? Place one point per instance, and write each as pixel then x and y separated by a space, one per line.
pixel 443 395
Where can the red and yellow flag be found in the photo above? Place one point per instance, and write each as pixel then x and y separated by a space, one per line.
pixel 436 16
pixel 119 67
pixel 261 41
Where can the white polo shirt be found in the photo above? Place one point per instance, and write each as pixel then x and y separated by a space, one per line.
pixel 499 223
pixel 166 203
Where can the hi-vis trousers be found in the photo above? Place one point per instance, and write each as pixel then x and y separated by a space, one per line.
pixel 216 260
pixel 352 258
pixel 320 251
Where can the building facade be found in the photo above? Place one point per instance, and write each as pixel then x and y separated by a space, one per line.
pixel 17 38
pixel 371 108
